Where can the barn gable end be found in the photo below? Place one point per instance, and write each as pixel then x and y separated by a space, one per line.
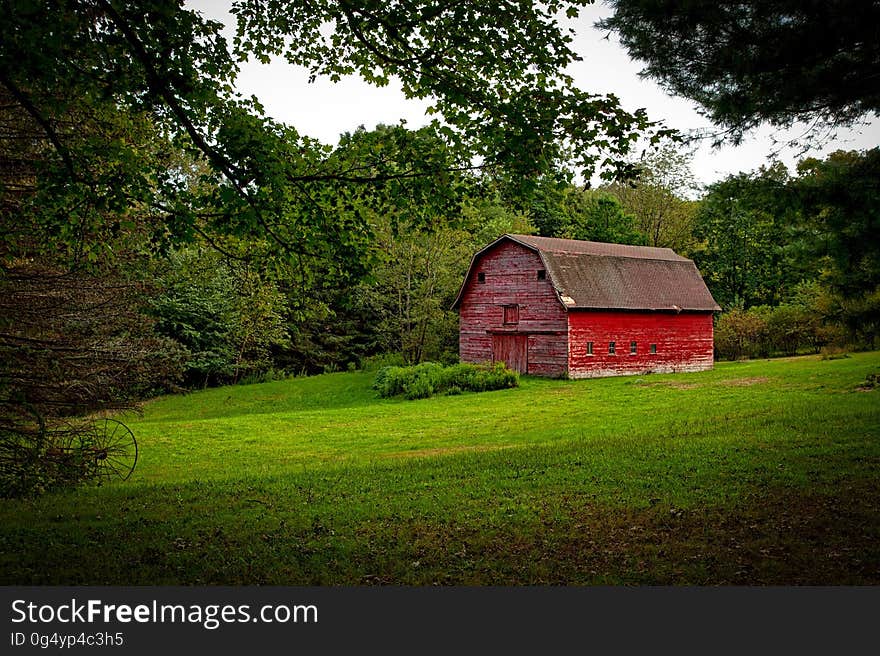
pixel 504 280
pixel 557 307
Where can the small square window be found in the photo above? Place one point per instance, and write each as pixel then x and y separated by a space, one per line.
pixel 653 348
pixel 589 348
pixel 542 274
pixel 511 314
pixel 633 348
pixel 611 348
pixel 481 277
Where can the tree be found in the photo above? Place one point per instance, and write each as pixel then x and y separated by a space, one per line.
pixel 420 272
pixel 840 200
pixel 225 314
pixel 413 286
pixel 747 224
pixel 740 333
pixel 569 212
pixel 132 105
pixel 76 217
pixel 74 340
pixel 418 261
pixel 596 216
pixel 840 195
pixel 658 197
pixel 123 134
pixel 745 63
pixel 804 243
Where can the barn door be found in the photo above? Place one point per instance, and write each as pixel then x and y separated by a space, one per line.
pixel 513 350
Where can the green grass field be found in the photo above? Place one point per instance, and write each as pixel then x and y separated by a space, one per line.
pixel 763 472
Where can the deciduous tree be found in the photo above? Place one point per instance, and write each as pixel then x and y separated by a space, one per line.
pixel 659 197
pixel 742 227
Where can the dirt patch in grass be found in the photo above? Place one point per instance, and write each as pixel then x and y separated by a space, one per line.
pixel 872 382
pixel 675 384
pixel 745 382
pixel 682 386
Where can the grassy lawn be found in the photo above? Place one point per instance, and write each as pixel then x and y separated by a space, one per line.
pixel 754 473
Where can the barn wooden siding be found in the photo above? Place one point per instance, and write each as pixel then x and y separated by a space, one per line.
pixel 511 278
pixel 684 342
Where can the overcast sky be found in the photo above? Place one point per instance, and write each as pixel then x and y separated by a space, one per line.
pixel 324 110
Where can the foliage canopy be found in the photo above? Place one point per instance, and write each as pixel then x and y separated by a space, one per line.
pixel 745 63
pixel 115 91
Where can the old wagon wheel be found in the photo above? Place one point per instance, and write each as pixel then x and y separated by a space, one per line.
pixel 113 450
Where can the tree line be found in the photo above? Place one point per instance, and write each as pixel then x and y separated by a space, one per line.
pixel 790 257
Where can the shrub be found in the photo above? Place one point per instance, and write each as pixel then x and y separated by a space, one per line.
pixel 269 376
pixel 738 333
pixel 762 331
pixel 382 361
pixel 420 388
pixel 791 328
pixel 429 378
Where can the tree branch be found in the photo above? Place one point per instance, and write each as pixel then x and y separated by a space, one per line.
pixel 44 123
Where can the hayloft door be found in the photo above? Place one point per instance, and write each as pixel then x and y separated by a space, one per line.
pixel 513 350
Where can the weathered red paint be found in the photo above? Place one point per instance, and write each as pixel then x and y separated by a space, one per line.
pixel 511 349
pixel 543 337
pixel 684 342
pixel 511 278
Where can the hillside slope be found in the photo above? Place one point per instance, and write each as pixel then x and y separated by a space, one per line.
pixel 757 472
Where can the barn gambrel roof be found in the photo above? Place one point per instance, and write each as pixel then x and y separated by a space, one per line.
pixel 595 275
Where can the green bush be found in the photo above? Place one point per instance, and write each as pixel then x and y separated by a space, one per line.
pixel 429 378
pixel 791 328
pixel 420 388
pixel 739 334
pixel 763 331
pixel 269 376
pixel 382 361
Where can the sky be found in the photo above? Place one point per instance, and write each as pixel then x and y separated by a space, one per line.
pixel 323 110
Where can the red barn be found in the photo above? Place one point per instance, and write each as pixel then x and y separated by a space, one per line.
pixel 562 307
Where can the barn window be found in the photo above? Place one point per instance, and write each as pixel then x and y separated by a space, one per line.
pixel 542 274
pixel 589 348
pixel 653 348
pixel 633 348
pixel 481 277
pixel 611 348
pixel 511 314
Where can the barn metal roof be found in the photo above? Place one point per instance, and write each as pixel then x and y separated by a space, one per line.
pixel 576 246
pixel 595 275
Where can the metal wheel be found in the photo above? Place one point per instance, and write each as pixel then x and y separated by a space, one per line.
pixel 113 450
